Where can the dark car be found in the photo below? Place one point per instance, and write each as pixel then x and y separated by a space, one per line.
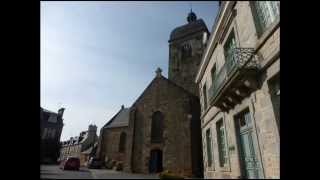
pixel 71 163
pixel 94 163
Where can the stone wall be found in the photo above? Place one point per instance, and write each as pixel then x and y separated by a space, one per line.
pixel 183 71
pixel 111 142
pixel 266 130
pixel 175 104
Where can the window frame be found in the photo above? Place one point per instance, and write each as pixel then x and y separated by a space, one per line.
pixel 186 51
pixel 273 14
pixel 205 96
pixel 229 53
pixel 157 130
pixel 220 124
pixel 122 142
pixel 209 143
pixel 213 73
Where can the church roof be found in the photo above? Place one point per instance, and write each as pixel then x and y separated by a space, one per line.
pixel 190 28
pixel 162 78
pixel 120 119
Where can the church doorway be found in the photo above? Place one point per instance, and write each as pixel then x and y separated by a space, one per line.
pixel 155 163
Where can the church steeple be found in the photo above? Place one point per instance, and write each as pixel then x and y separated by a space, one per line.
pixel 185 51
pixel 191 16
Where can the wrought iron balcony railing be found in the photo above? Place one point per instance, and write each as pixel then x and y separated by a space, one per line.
pixel 241 59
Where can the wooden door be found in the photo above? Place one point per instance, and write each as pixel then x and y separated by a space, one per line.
pixel 155 163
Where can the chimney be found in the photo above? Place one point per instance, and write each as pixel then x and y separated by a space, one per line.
pixel 60 112
pixel 122 106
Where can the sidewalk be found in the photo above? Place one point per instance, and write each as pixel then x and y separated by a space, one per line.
pixel 107 173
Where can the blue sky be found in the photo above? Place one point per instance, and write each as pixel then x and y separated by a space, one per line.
pixel 96 56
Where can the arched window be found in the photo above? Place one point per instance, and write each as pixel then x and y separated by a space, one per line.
pixel 186 51
pixel 157 127
pixel 122 143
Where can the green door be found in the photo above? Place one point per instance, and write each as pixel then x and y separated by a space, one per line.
pixel 251 168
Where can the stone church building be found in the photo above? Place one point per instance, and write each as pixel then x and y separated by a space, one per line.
pixel 162 129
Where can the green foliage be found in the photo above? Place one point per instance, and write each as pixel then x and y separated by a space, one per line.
pixel 119 166
pixel 169 175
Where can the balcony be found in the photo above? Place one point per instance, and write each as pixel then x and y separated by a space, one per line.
pixel 235 80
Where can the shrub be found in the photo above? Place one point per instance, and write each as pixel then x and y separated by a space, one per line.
pixel 110 164
pixel 169 175
pixel 119 166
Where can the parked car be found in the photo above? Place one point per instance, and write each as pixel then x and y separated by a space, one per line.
pixel 71 163
pixel 94 163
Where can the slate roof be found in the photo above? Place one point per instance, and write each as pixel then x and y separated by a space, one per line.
pixel 190 28
pixel 47 111
pixel 120 119
pixel 165 79
pixel 87 151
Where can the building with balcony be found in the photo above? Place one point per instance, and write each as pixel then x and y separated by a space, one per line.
pixel 239 88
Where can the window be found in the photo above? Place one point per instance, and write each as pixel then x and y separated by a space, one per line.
pixel 122 142
pixel 209 148
pixel 229 47
pixel 157 127
pixel 177 65
pixel 213 73
pixel 52 118
pixel 53 133
pixel 204 91
pixel 186 51
pixel 222 146
pixel 49 133
pixel 44 134
pixel 266 12
pixel 274 86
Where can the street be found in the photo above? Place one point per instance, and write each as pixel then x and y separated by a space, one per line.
pixel 54 172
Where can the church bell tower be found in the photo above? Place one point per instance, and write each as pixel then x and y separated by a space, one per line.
pixel 186 45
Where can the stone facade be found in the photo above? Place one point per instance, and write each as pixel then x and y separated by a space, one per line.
pixel 164 129
pixel 51 125
pixel 262 102
pixel 186 46
pixel 113 138
pixel 112 143
pixel 76 145
pixel 180 145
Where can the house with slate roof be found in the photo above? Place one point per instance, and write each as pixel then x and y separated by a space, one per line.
pixel 51 124
pixel 81 146
pixel 113 137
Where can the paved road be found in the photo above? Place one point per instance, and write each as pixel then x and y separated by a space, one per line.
pixel 105 173
pixel 53 172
